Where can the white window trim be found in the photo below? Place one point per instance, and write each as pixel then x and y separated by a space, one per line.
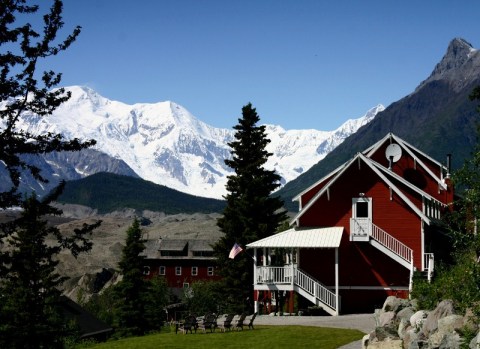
pixel 194 271
pixel 160 270
pixel 178 271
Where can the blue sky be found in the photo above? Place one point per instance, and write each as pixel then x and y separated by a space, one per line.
pixel 303 64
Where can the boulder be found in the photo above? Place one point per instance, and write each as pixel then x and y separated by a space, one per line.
pixel 409 337
pixel 394 304
pixel 443 309
pixel 450 341
pixel 406 313
pixel 403 326
pixel 417 319
pixel 450 323
pixel 475 342
pixel 386 319
pixel 387 344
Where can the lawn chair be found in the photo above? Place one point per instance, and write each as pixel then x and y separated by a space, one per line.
pixel 190 324
pixel 226 324
pixel 209 322
pixel 239 323
pixel 250 323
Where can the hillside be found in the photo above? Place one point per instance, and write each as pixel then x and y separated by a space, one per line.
pixel 437 118
pixel 107 192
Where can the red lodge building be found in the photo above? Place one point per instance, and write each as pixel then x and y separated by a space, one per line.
pixel 181 261
pixel 361 231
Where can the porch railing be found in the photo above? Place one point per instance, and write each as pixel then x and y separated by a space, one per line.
pixel 394 245
pixel 274 275
pixel 283 275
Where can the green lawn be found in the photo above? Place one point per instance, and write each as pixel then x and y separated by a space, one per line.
pixel 268 337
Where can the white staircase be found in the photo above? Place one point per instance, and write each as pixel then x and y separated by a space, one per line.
pixel 389 245
pixel 280 278
pixel 315 292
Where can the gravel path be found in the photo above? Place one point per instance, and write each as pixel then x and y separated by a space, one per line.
pixel 362 322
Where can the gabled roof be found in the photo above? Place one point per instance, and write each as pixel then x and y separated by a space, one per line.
pixel 375 168
pixel 411 150
pixel 339 168
pixel 309 238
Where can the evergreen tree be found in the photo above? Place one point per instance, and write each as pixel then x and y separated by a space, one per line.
pixel 131 291
pixel 25 91
pixel 251 213
pixel 30 316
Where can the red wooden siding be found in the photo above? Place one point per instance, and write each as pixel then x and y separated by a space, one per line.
pixel 392 215
pixel 174 280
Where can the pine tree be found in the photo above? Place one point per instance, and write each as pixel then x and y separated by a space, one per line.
pixel 251 212
pixel 29 313
pixel 132 290
pixel 24 90
pixel 30 316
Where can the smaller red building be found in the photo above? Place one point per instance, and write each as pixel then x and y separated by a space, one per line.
pixel 181 262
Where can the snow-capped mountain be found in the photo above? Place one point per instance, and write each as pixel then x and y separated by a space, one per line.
pixel 167 145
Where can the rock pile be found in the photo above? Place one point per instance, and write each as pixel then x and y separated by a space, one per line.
pixel 401 325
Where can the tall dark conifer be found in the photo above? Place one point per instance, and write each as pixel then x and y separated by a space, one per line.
pixel 131 291
pixel 29 316
pixel 30 312
pixel 252 212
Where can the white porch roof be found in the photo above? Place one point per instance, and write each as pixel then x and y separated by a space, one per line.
pixel 309 238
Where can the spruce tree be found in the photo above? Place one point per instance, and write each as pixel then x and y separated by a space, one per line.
pixel 26 91
pixel 29 312
pixel 251 212
pixel 132 290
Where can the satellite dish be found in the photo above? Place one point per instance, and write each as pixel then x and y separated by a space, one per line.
pixel 393 151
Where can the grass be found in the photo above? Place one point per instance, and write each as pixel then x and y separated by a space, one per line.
pixel 263 337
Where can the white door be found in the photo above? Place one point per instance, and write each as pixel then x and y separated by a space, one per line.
pixel 361 222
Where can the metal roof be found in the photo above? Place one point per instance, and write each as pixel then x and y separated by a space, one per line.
pixel 313 237
pixel 172 245
pixel 201 245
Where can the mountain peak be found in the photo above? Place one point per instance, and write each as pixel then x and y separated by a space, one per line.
pixel 458 52
pixel 456 65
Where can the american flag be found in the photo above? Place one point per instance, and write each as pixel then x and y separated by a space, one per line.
pixel 236 249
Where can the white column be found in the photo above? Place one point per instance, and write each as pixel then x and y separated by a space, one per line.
pixel 337 312
pixel 254 267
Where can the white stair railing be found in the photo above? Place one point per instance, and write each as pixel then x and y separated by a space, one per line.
pixel 428 265
pixel 315 288
pixel 392 244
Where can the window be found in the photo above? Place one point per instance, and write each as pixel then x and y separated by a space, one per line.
pixel 186 285
pixel 146 270
pixel 210 271
pixel 178 270
pixel 362 209
pixel 161 270
pixel 194 271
